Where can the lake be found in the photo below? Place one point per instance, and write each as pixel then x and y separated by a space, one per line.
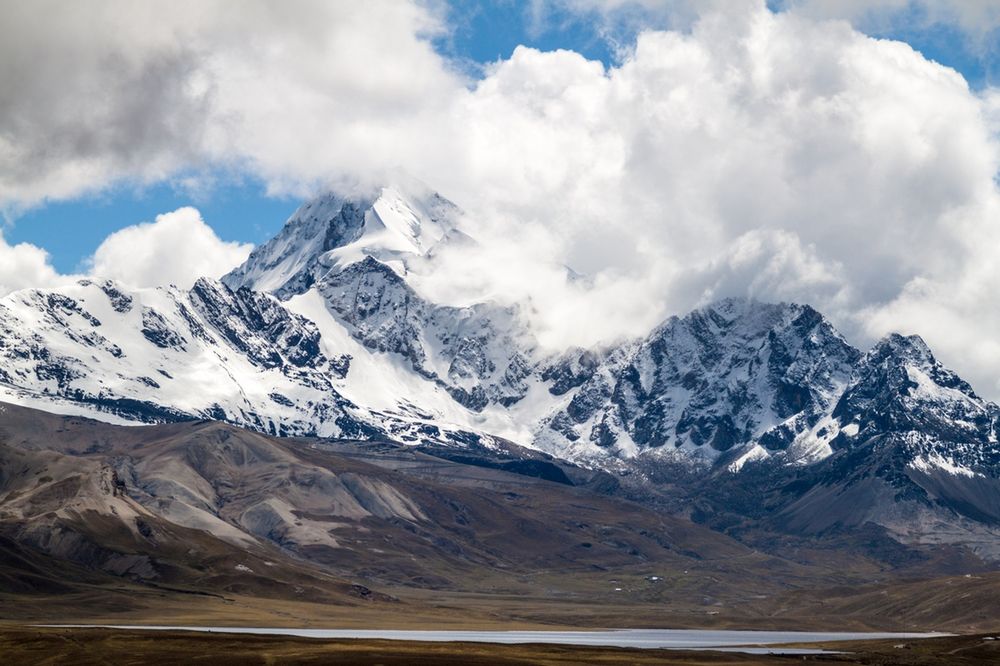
pixel 675 639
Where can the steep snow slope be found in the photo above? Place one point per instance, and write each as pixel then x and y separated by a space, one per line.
pixel 412 406
pixel 163 354
pixel 480 354
pixel 153 355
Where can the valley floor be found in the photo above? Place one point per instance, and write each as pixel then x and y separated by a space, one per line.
pixel 32 645
pixel 98 526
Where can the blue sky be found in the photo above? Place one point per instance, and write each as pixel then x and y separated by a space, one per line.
pixel 481 33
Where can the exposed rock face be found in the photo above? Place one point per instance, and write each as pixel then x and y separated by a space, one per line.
pixel 899 387
pixel 255 324
pixel 907 446
pixel 919 434
pixel 731 374
pixel 479 354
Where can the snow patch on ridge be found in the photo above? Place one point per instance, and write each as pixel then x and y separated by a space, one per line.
pixel 754 453
pixel 936 461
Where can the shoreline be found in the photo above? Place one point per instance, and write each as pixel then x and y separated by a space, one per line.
pixel 84 646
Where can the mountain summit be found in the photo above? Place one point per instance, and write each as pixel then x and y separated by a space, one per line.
pixel 395 225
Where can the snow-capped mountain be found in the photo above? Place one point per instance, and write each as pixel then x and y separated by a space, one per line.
pixel 352 350
pixel 324 331
pixel 164 354
pixel 912 449
pixel 356 257
pixel 900 389
pixel 735 374
pixel 398 226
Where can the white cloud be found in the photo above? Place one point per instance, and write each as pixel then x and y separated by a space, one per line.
pixel 763 154
pixel 750 152
pixel 25 265
pixel 98 92
pixel 977 18
pixel 177 248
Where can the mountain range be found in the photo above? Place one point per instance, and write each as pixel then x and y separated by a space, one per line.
pixel 757 421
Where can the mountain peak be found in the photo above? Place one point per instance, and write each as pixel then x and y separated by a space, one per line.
pixel 395 224
pixel 898 386
pixel 911 348
pixel 918 372
pixel 719 378
pixel 745 316
pixel 732 304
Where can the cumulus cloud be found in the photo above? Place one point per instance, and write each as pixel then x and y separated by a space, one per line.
pixel 976 18
pixel 858 149
pixel 90 98
pixel 139 90
pixel 738 151
pixel 761 154
pixel 24 266
pixel 177 248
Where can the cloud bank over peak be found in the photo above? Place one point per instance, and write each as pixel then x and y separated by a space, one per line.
pixel 747 151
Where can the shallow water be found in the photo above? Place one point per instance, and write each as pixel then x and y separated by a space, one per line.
pixel 677 639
